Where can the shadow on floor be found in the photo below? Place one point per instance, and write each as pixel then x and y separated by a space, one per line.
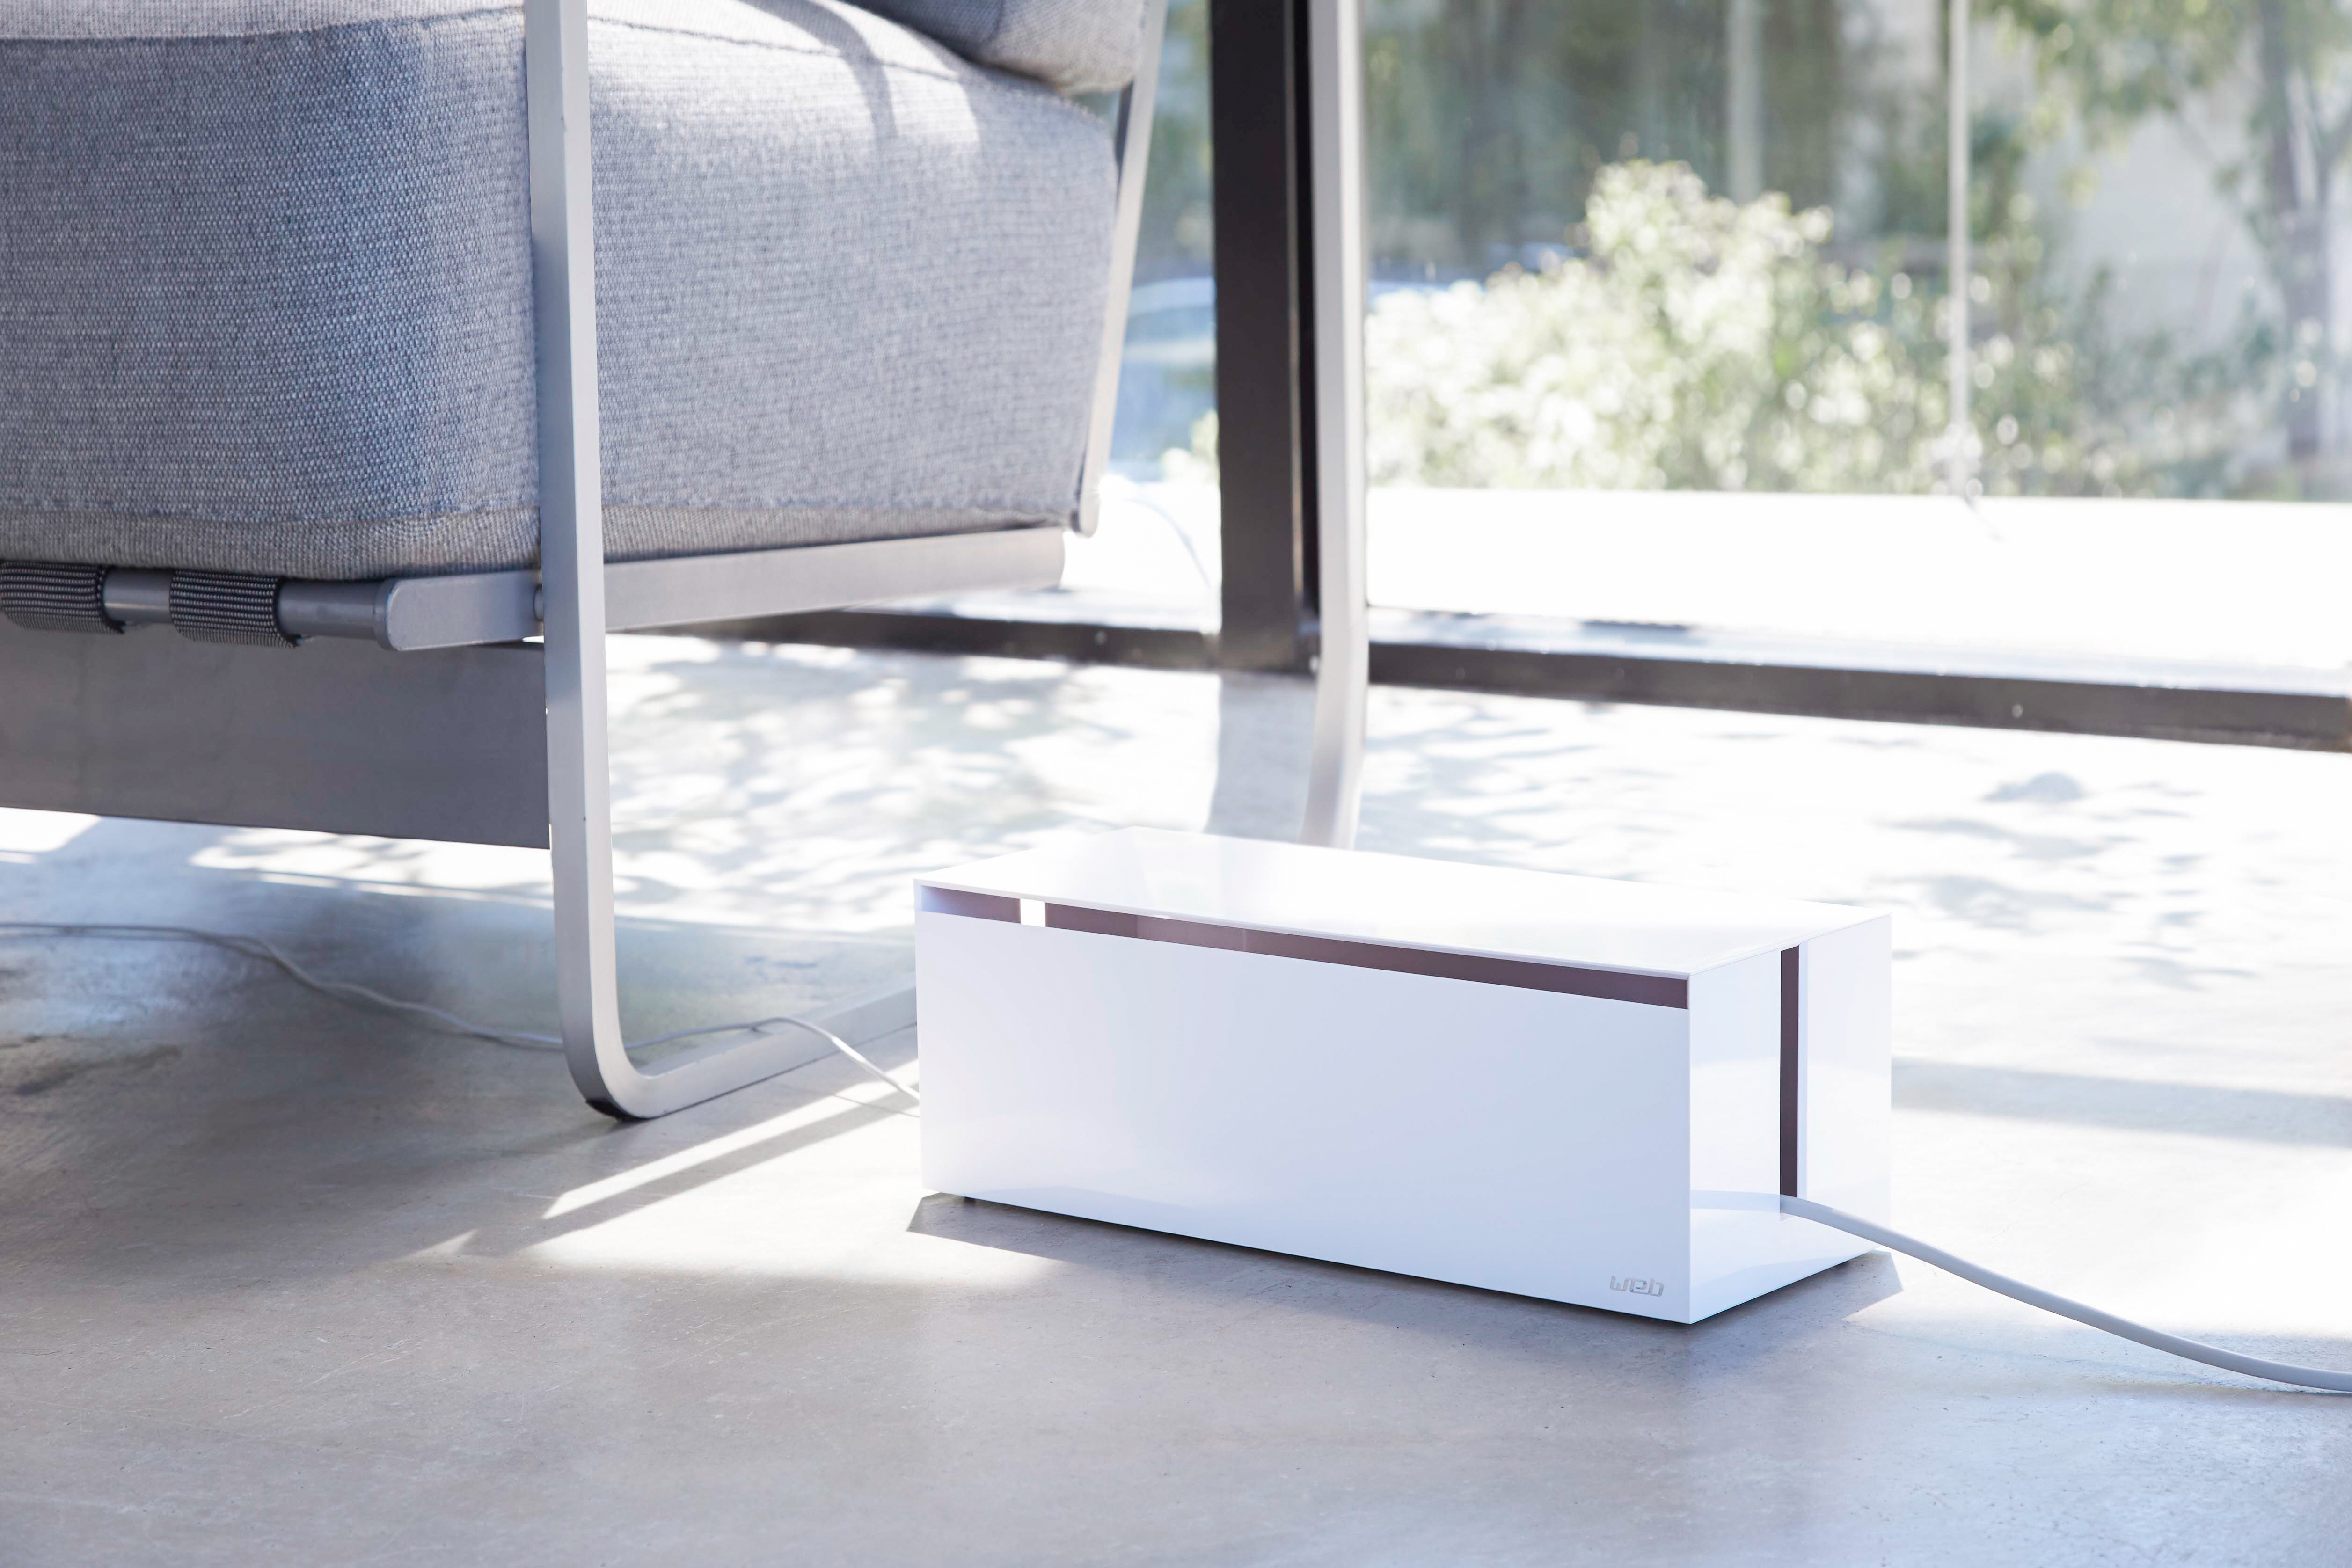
pixel 2256 1115
pixel 1545 1329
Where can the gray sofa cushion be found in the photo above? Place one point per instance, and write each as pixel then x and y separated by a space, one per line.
pixel 211 18
pixel 266 295
pixel 1079 46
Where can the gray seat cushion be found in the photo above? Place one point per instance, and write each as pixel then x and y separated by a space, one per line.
pixel 265 295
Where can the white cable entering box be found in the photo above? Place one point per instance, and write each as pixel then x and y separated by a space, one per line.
pixel 1588 1091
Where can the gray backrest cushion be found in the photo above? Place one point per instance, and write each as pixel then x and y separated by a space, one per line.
pixel 1078 45
pixel 211 18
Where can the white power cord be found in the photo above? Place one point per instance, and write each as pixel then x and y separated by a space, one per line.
pixel 2049 1301
pixel 761 1026
pixel 270 952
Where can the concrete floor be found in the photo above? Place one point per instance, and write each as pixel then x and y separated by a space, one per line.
pixel 288 1282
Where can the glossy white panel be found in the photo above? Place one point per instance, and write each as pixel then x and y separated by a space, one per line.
pixel 1393 899
pixel 1849 1087
pixel 1737 1249
pixel 1615 1154
pixel 1518 1140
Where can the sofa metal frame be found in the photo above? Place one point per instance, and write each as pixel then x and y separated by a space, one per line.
pixel 444 740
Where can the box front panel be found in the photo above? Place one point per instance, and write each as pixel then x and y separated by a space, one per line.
pixel 1517 1140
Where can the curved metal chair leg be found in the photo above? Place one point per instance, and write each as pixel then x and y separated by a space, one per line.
pixel 571 578
pixel 571 587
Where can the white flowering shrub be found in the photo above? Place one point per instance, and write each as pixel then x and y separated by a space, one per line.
pixel 1699 343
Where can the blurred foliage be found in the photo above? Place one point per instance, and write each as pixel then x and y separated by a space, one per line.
pixel 1692 342
pixel 2283 70
pixel 1179 232
pixel 1795 352
pixel 1490 120
pixel 1695 344
pixel 1582 310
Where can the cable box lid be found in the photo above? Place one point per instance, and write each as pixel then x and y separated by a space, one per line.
pixel 1401 900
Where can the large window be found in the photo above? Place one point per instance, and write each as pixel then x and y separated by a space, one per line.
pixel 1685 385
pixel 1153 558
pixel 1662 338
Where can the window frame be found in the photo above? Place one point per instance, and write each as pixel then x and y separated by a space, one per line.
pixel 1262 159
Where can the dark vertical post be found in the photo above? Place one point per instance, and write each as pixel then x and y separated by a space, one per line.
pixel 1791 1070
pixel 1257 60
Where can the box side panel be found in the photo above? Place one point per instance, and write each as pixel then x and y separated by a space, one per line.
pixel 1848 1097
pixel 1523 1141
pixel 1735 1134
pixel 1741 1245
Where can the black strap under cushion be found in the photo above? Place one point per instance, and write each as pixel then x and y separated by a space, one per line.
pixel 226 607
pixel 48 596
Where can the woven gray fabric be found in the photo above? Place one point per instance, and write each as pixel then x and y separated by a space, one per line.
pixel 474 542
pixel 1079 46
pixel 267 297
pixel 207 18
pixel 969 27
pixel 649 533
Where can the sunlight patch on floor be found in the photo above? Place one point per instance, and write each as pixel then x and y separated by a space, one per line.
pixel 24 833
pixel 815 1113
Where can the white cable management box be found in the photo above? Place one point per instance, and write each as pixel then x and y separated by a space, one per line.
pixel 1586 1091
